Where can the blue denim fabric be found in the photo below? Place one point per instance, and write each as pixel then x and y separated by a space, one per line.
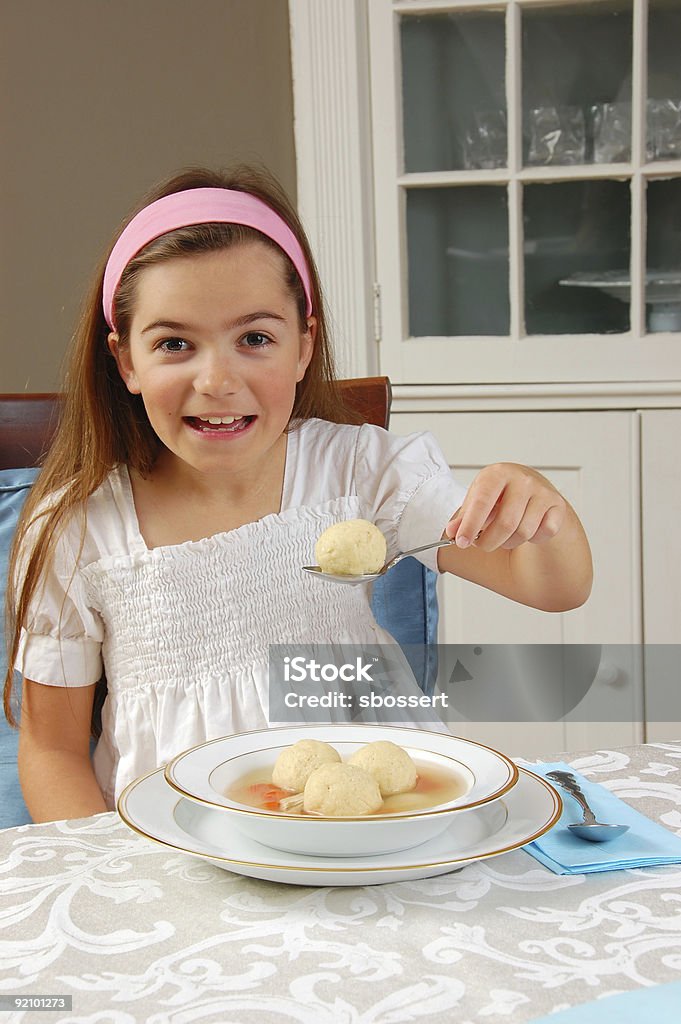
pixel 404 602
pixel 14 487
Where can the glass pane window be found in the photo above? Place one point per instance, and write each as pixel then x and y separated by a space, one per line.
pixel 458 272
pixel 663 256
pixel 576 83
pixel 577 244
pixel 525 199
pixel 663 112
pixel 453 93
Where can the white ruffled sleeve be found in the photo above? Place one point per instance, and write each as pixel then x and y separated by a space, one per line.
pixel 407 488
pixel 62 637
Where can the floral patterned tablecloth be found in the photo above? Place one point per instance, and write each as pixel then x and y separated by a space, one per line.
pixel 134 933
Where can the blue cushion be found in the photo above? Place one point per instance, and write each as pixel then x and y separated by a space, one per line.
pixel 14 487
pixel 404 602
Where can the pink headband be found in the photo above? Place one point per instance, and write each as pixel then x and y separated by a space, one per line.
pixel 199 206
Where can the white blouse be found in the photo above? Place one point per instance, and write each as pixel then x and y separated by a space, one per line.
pixel 183 631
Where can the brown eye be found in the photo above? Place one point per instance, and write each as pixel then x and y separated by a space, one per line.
pixel 173 345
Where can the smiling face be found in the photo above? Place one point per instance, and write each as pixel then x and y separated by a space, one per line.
pixel 215 349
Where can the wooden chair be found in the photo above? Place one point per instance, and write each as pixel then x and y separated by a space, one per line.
pixel 370 397
pixel 28 422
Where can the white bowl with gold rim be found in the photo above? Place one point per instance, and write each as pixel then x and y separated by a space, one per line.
pixel 207 773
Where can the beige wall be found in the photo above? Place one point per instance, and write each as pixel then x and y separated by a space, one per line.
pixel 101 98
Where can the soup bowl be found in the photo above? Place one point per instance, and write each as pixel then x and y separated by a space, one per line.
pixel 208 773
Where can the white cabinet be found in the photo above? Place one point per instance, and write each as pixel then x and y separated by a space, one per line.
pixel 527 175
pixel 500 178
pixel 661 514
pixel 661 517
pixel 593 458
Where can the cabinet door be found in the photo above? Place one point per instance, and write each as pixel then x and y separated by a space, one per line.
pixel 525 189
pixel 661 511
pixel 593 459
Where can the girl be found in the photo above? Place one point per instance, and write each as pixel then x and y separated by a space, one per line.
pixel 202 450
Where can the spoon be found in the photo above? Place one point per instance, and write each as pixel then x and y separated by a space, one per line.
pixel 594 831
pixel 315 570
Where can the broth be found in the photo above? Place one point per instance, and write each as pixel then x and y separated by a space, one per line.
pixel 435 785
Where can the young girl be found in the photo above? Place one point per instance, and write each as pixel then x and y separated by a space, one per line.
pixel 202 450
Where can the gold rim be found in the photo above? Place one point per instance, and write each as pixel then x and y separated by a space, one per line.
pixel 254 812
pixel 553 818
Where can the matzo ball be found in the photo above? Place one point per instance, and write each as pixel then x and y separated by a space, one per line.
pixel 341 790
pixel 390 765
pixel 351 548
pixel 295 764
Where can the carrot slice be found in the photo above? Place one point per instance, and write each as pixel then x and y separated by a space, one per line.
pixel 425 784
pixel 268 795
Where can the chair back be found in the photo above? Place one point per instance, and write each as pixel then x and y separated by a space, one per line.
pixel 370 397
pixel 27 425
pixel 28 422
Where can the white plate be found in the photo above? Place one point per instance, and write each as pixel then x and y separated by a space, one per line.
pixel 205 773
pixel 661 285
pixel 150 807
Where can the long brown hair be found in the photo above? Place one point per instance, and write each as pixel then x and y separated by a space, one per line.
pixel 102 424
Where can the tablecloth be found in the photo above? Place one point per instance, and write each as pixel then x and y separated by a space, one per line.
pixel 133 932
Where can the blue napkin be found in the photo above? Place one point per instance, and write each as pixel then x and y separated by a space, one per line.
pixel 659 1003
pixel 646 843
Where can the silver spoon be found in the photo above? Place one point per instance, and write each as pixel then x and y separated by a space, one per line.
pixel 594 831
pixel 315 570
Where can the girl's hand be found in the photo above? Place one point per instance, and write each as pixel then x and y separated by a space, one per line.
pixel 507 505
